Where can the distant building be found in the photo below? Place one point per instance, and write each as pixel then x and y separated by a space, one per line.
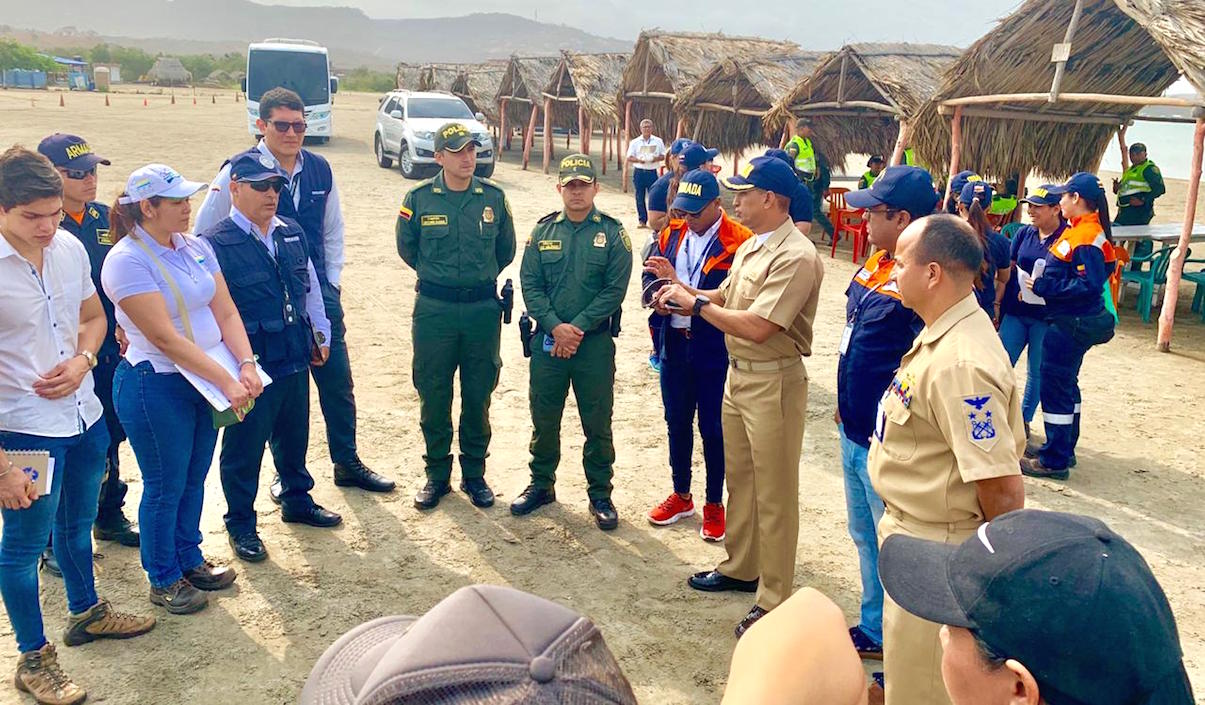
pixel 168 71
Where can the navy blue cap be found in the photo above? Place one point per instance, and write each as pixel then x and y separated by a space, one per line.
pixel 696 155
pixel 676 147
pixel 696 189
pixel 961 179
pixel 767 174
pixel 1042 196
pixel 781 154
pixel 906 188
pixel 70 152
pixel 1083 183
pixel 875 159
pixel 254 165
pixel 976 191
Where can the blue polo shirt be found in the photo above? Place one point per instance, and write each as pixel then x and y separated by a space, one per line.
pixel 997 256
pixel 801 205
pixel 93 232
pixel 659 193
pixel 1027 248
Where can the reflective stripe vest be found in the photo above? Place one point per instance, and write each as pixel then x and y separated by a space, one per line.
pixel 1133 181
pixel 868 178
pixel 909 157
pixel 805 157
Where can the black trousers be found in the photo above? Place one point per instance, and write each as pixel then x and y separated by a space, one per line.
pixel 280 419
pixel 112 489
pixel 335 395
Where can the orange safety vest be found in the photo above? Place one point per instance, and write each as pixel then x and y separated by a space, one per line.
pixel 730 236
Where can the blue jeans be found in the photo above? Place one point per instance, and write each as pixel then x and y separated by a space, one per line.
pixel 642 179
pixel 863 510
pixel 171 432
pixel 70 508
pixel 1017 332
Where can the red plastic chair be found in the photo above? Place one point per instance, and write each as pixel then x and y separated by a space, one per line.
pixel 846 221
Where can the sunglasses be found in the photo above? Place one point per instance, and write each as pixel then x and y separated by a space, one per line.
pixel 283 126
pixel 262 186
pixel 78 174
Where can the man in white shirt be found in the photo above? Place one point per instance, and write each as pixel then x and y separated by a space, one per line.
pixel 645 154
pixel 51 325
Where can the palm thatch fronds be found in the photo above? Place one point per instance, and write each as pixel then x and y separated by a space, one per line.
pixel 665 65
pixel 438 77
pixel 590 81
pixel 408 76
pixel 728 104
pixel 1121 47
pixel 478 85
pixel 856 96
pixel 523 83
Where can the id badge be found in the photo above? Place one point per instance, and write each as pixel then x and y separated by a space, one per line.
pixel 845 337
pixel 548 343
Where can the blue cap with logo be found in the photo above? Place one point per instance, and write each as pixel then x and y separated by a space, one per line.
pixel 696 189
pixel 696 155
pixel 767 174
pixel 960 180
pixel 1042 196
pixel 976 191
pixel 1083 183
pixel 676 147
pixel 254 165
pixel 905 188
pixel 70 152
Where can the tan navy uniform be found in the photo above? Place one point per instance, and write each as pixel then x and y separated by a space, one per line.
pixel 951 417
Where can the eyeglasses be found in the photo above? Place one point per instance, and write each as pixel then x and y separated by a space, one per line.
pixel 262 186
pixel 889 212
pixel 78 174
pixel 282 126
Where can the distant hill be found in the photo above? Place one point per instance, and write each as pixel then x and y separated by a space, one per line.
pixel 353 37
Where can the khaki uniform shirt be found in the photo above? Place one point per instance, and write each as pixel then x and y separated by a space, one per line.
pixel 951 417
pixel 778 280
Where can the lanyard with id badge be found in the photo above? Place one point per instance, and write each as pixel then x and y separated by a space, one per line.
pixel 848 333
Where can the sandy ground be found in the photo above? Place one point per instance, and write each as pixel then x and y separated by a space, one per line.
pixel 1139 466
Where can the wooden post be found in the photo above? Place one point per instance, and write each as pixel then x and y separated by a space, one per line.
pixel 606 142
pixel 505 134
pixel 955 150
pixel 1121 144
pixel 736 163
pixel 694 135
pixel 583 132
pixel 681 127
pixel 786 133
pixel 1059 70
pixel 547 133
pixel 1171 292
pixel 621 150
pixel 901 143
pixel 531 133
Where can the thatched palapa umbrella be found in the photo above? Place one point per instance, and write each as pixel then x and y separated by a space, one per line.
pixel 438 77
pixel 860 96
pixel 520 96
pixel 408 76
pixel 1012 109
pixel 582 94
pixel 478 85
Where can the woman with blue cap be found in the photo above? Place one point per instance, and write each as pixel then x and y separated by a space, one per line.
pixel 973 202
pixel 1072 283
pixel 658 198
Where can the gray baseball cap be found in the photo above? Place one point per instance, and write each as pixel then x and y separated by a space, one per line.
pixel 483 644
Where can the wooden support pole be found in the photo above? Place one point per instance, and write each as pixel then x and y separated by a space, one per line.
pixel 901 143
pixel 621 150
pixel 1121 144
pixel 681 127
pixel 606 142
pixel 547 133
pixel 583 133
pixel 530 136
pixel 587 135
pixel 786 134
pixel 736 163
pixel 955 151
pixel 1059 70
pixel 505 133
pixel 1171 292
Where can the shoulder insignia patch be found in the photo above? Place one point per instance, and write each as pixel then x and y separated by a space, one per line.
pixel 478 190
pixel 405 213
pixel 549 217
pixel 92 212
pixel 627 241
pixel 1155 169
pixel 550 245
pixel 981 429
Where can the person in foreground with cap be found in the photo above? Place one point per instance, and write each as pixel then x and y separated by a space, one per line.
pixel 173 304
pixel 575 272
pixel 482 643
pixel 88 220
pixel 765 307
pixel 644 154
pixel 457 232
pixel 1023 313
pixel 879 329
pixel 801 200
pixel 948 435
pixel 659 193
pixel 874 167
pixel 1137 190
pixel 1073 284
pixel 697 248
pixel 1042 607
pixel 278 295
pixel 51 325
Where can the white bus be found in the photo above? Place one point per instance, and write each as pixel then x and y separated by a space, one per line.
pixel 299 65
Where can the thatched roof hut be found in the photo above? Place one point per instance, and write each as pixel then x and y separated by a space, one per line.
pixel 1119 48
pixel 522 83
pixel 728 104
pixel 438 77
pixel 408 76
pixel 665 65
pixel 858 95
pixel 168 71
pixel 478 85
pixel 590 81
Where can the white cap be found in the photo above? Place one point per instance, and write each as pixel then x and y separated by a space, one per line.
pixel 158 180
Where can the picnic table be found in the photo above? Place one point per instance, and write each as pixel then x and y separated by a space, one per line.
pixel 1167 233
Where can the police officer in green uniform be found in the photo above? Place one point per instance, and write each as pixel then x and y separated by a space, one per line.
pixel 1138 188
pixel 456 231
pixel 575 272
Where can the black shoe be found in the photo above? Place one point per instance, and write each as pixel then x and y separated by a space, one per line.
pixel 715 581
pixel 275 490
pixel 50 564
pixel 1035 468
pixel 866 647
pixel 249 547
pixel 116 528
pixel 604 513
pixel 313 515
pixel 478 491
pixel 355 474
pixel 428 497
pixel 532 499
pixel 750 619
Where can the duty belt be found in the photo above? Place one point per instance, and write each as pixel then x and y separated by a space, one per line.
pixel 764 365
pixel 454 294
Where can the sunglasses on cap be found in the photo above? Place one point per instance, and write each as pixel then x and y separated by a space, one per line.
pixel 262 186
pixel 78 174
pixel 282 126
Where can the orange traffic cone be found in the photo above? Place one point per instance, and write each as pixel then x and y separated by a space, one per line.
pixel 173 98
pixel 194 100
pixel 144 102
pixel 62 103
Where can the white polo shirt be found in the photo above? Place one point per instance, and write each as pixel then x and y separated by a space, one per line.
pixel 39 328
pixel 652 150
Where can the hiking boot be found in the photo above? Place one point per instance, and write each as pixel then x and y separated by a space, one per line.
pixel 102 622
pixel 49 563
pixel 116 528
pixel 38 674
pixel 676 507
pixel 208 576
pixel 713 522
pixel 179 598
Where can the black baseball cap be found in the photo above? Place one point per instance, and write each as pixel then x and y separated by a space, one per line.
pixel 1062 594
pixel 454 137
pixel 905 188
pixel 70 152
pixel 482 645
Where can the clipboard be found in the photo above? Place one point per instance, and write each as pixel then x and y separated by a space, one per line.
pixel 37 464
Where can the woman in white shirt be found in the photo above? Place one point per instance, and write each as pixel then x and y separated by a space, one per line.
pixel 173 305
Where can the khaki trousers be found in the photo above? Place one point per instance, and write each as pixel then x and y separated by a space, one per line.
pixel 763 417
pixel 911 645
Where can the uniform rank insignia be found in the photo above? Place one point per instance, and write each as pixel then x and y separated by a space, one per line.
pixel 980 426
pixel 597 218
pixel 627 241
pixel 487 215
pixel 600 240
pixel 93 213
pixel 103 237
pixel 434 220
pixel 550 245
pixel 405 213
pixel 901 387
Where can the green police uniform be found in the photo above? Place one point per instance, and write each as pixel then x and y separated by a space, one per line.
pixel 457 242
pixel 575 273
pixel 1144 182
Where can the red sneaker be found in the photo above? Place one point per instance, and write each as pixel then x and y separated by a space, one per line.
pixel 671 510
pixel 713 522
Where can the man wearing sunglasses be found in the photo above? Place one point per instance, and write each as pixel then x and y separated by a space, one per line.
pixel 279 295
pixel 310 198
pixel 88 221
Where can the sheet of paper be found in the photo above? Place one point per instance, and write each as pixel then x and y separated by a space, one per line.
pixel 212 393
pixel 1023 278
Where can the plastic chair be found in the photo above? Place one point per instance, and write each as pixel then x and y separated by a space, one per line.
pixel 1198 278
pixel 847 221
pixel 1148 279
pixel 1011 229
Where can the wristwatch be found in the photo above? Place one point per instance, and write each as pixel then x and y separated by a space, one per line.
pixel 92 361
pixel 700 302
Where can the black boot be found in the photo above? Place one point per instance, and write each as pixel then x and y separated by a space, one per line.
pixel 532 499
pixel 356 474
pixel 428 497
